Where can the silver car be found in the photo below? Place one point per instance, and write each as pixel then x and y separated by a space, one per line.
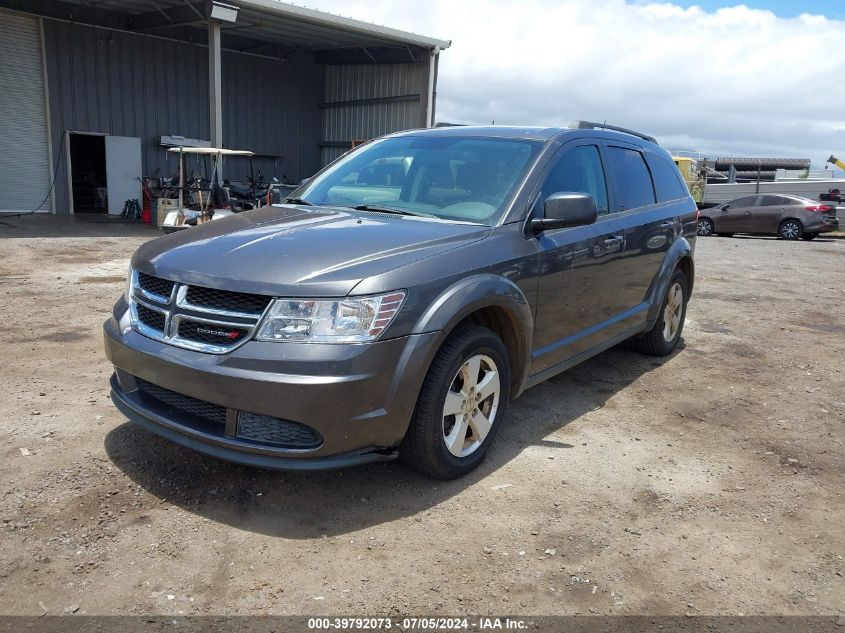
pixel 788 217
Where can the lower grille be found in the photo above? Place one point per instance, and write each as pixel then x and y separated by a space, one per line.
pixel 192 406
pixel 151 318
pixel 270 430
pixel 211 418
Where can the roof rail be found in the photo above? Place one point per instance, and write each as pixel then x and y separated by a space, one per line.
pixel 589 125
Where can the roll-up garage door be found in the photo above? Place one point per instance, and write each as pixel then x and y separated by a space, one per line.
pixel 24 164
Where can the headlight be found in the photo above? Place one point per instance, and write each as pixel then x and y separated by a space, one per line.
pixel 352 320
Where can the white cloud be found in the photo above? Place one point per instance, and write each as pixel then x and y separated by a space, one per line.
pixel 736 80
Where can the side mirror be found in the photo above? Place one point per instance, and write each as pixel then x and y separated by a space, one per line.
pixel 565 209
pixel 726 207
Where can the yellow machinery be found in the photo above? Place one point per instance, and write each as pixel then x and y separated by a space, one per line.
pixel 837 162
pixel 692 175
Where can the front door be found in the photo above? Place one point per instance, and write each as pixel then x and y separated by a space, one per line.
pixel 736 217
pixel 123 171
pixel 576 265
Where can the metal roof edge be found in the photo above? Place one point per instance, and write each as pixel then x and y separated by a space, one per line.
pixel 283 9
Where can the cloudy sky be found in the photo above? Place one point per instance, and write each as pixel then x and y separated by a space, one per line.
pixel 767 77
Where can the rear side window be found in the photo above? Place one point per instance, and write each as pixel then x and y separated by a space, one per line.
pixel 774 201
pixel 667 179
pixel 634 187
pixel 579 170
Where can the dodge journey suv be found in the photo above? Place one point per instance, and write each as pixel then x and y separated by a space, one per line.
pixel 404 296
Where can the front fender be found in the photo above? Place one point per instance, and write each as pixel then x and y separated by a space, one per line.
pixel 471 294
pixel 680 249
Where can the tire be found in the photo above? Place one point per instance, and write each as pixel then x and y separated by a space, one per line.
pixel 705 227
pixel 809 236
pixel 790 230
pixel 661 340
pixel 725 234
pixel 426 446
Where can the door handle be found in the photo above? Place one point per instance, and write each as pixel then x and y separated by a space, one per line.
pixel 613 241
pixel 667 224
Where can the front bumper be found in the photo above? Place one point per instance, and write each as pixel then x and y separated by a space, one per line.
pixel 357 398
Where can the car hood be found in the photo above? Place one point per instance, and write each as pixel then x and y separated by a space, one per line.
pixel 298 251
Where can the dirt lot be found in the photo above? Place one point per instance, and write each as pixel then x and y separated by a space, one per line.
pixel 707 483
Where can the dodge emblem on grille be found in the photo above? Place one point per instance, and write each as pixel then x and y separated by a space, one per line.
pixel 231 335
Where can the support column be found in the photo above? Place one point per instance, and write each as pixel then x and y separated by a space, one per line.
pixel 215 92
pixel 427 93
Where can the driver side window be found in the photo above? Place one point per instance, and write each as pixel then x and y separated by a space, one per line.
pixel 579 170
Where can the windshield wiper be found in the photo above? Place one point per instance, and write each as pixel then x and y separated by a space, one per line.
pixel 301 201
pixel 383 209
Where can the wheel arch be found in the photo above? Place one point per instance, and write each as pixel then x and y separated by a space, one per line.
pixel 680 255
pixel 494 302
pixel 794 219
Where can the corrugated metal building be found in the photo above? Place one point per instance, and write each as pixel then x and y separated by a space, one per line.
pixel 91 89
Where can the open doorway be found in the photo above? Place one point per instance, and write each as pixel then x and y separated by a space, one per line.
pixel 88 173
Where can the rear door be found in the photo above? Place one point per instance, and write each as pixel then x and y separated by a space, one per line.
pixel 769 211
pixel 736 216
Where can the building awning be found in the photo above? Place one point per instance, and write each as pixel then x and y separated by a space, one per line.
pixel 264 27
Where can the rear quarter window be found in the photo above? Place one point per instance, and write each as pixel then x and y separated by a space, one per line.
pixel 633 185
pixel 668 183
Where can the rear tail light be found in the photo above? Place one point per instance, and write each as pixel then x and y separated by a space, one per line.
pixel 819 208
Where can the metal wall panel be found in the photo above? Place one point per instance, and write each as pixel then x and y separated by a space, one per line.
pixel 24 154
pixel 120 83
pixel 361 121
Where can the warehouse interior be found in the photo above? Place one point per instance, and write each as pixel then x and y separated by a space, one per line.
pixel 99 91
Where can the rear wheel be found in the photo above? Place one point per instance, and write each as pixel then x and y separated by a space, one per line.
pixel 790 230
pixel 809 236
pixel 663 338
pixel 705 227
pixel 461 405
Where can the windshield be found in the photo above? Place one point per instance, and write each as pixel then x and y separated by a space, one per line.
pixel 454 178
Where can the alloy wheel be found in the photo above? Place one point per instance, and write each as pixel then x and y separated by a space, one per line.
pixel 790 231
pixel 469 411
pixel 705 227
pixel 672 311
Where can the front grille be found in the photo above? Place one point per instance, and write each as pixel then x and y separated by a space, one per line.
pixel 283 433
pixel 211 334
pixel 155 285
pixel 193 317
pixel 192 406
pixel 151 318
pixel 227 300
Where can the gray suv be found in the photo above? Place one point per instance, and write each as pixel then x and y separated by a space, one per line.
pixel 404 296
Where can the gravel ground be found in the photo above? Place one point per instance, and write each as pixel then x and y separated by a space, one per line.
pixel 710 482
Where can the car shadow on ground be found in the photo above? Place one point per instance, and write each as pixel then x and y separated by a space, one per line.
pixel 311 505
pixel 775 238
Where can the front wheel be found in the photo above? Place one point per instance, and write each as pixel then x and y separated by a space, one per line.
pixel 461 405
pixel 705 227
pixel 809 236
pixel 663 337
pixel 790 230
